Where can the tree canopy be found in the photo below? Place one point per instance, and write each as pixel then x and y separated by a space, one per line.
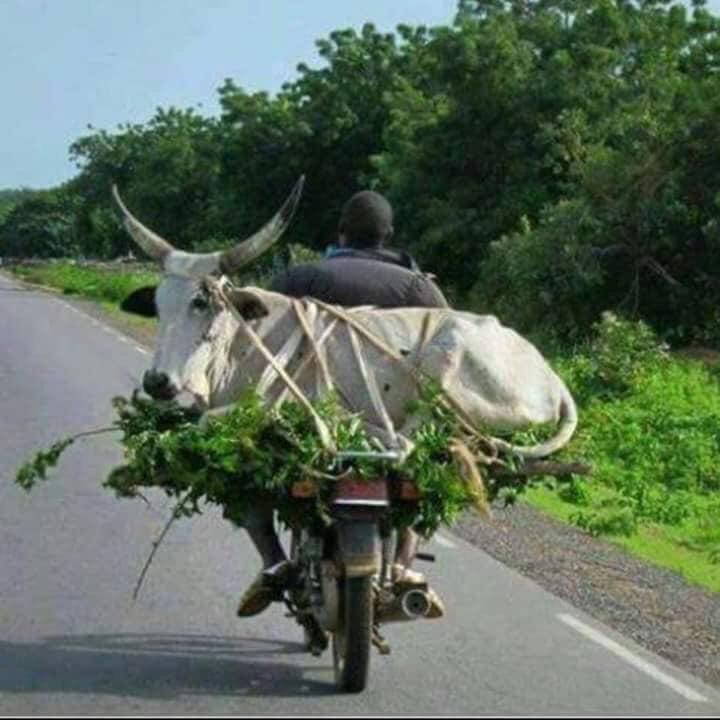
pixel 546 160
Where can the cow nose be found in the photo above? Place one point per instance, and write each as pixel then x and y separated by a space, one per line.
pixel 157 385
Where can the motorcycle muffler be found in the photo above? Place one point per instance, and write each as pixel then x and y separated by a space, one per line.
pixel 412 604
pixel 415 603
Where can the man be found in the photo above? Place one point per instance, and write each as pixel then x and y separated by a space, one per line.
pixel 360 271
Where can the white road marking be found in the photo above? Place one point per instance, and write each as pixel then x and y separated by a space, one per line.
pixel 442 540
pixel 629 657
pixel 94 321
pixel 106 328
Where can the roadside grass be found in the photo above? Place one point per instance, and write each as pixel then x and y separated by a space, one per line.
pixel 131 319
pixel 650 428
pixel 685 549
pixel 106 286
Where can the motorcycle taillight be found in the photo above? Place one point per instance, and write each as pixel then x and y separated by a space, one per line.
pixel 303 490
pixel 352 490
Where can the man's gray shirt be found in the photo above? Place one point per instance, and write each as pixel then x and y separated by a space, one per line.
pixel 383 278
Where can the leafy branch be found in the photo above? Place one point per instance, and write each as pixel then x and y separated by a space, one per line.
pixel 37 468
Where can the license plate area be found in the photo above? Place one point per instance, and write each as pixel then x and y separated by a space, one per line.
pixel 351 490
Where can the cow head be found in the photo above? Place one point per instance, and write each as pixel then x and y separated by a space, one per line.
pixel 196 305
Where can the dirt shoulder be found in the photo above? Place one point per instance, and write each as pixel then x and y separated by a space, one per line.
pixel 143 331
pixel 657 608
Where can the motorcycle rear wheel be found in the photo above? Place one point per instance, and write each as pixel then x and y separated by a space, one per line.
pixel 353 637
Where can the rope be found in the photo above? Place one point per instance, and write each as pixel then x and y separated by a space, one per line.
pixel 306 361
pixel 415 372
pixel 278 363
pixel 322 428
pixel 371 386
pixel 316 353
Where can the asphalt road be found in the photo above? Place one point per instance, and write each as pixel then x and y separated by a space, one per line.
pixel 73 642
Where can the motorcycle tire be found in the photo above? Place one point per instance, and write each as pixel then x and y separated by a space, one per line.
pixel 353 637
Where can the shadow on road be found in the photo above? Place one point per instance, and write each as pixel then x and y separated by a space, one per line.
pixel 156 667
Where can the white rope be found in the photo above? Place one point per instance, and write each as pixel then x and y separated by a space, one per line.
pixel 371 385
pixel 277 364
pixel 322 428
pixel 327 332
pixel 317 352
pixel 283 357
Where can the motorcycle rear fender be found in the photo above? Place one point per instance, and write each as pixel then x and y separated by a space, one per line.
pixel 359 547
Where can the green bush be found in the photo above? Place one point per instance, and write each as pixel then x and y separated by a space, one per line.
pixel 612 517
pixel 649 426
pixel 109 285
pixel 615 360
pixel 624 352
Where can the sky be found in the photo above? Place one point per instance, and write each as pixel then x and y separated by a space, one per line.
pixel 65 64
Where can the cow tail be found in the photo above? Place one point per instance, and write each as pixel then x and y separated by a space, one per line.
pixel 568 423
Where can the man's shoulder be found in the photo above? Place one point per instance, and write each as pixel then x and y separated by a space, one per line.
pixel 388 256
pixel 346 279
pixel 295 276
pixel 340 263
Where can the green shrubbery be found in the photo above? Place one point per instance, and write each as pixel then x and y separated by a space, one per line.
pixel 650 427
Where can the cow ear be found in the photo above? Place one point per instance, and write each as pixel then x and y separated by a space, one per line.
pixel 141 302
pixel 248 303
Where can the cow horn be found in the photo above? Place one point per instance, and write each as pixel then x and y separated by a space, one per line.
pixel 151 243
pixel 254 246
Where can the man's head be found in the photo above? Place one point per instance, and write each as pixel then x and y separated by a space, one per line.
pixel 366 221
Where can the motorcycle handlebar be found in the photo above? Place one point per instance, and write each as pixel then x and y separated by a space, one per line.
pixel 369 455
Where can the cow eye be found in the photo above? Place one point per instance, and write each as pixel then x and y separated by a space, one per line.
pixel 199 303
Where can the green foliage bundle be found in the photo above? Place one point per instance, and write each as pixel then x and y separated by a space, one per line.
pixel 252 455
pixel 37 468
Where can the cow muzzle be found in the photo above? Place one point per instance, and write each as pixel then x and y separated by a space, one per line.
pixel 158 386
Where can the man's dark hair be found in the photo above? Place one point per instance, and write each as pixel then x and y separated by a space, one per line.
pixel 366 220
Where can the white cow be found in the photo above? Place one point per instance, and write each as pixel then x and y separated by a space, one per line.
pixel 215 340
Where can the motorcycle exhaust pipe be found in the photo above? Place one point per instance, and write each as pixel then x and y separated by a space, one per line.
pixel 415 603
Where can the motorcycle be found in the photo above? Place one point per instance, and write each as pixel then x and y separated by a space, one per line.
pixel 342 587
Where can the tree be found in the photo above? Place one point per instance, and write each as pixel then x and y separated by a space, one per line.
pixel 326 124
pixel 167 171
pixel 41 226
